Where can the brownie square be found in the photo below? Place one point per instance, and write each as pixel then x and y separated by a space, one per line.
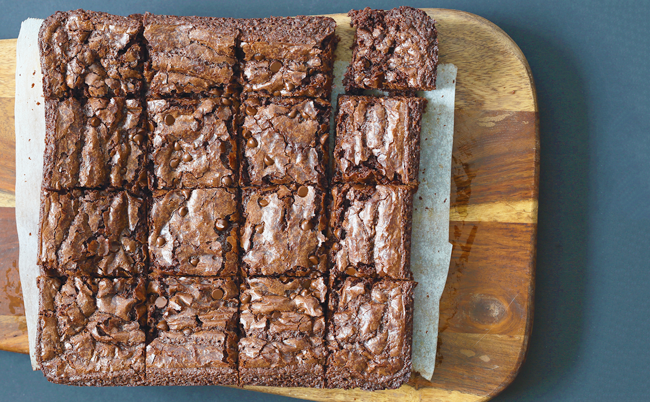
pixel 190 55
pixel 193 143
pixel 283 328
pixel 95 143
pixel 284 231
pixel 90 330
pixel 370 328
pixel 288 56
pixel 378 139
pixel 93 233
pixel 371 231
pixel 193 323
pixel 393 50
pixel 92 54
pixel 195 232
pixel 284 141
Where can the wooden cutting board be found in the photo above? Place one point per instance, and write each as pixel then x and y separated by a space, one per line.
pixel 486 309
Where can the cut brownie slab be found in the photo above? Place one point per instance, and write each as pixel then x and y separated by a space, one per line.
pixel 283 328
pixel 378 139
pixel 93 233
pixel 95 143
pixel 371 231
pixel 190 55
pixel 193 143
pixel 90 331
pixel 195 232
pixel 90 53
pixel 284 231
pixel 370 327
pixel 288 56
pixel 285 141
pixel 193 325
pixel 393 50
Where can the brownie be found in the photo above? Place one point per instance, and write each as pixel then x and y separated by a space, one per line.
pixel 193 143
pixel 193 323
pixel 288 56
pixel 90 330
pixel 189 55
pixel 394 50
pixel 378 139
pixel 92 233
pixel 95 143
pixel 285 141
pixel 370 328
pixel 284 231
pixel 194 232
pixel 370 231
pixel 92 54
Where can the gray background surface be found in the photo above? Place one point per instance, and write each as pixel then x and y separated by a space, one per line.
pixel 592 309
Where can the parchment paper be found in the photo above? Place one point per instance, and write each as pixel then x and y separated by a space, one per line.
pixel 430 247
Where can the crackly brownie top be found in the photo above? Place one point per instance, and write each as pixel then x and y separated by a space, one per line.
pixel 256 353
pixel 91 325
pixel 97 143
pixel 95 233
pixel 370 331
pixel 285 141
pixel 299 30
pixel 394 50
pixel 92 53
pixel 284 231
pixel 371 231
pixel 378 139
pixel 194 232
pixel 189 54
pixel 193 143
pixel 283 308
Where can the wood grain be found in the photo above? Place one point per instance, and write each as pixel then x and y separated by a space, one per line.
pixel 486 307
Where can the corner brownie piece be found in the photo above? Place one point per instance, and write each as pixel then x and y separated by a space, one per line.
pixel 91 53
pixel 193 325
pixel 283 328
pixel 370 328
pixel 96 143
pixel 190 55
pixel 92 233
pixel 90 331
pixel 195 232
pixel 370 231
pixel 284 231
pixel 394 50
pixel 193 143
pixel 288 56
pixel 284 141
pixel 378 139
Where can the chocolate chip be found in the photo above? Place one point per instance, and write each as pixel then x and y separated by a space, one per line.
pixel 151 127
pixel 187 193
pixel 218 93
pixel 217 294
pixel 221 224
pixel 268 161
pixel 194 261
pixel 226 101
pixel 177 146
pixel 115 247
pixel 183 211
pixel 95 122
pixel 277 93
pixel 162 325
pixel 314 260
pixel 260 228
pixel 92 246
pixel 138 138
pixel 174 163
pixel 276 314
pixel 245 298
pixel 293 113
pixel 338 232
pixel 258 57
pixel 306 225
pixel 289 86
pixel 245 132
pixel 161 302
pixel 325 128
pixel 251 143
pixel 169 119
pixel 262 202
pixel 160 241
pixel 230 89
pixel 227 181
pixel 303 191
pixel 187 158
pixel 324 138
pixel 351 271
pixel 275 66
pixel 250 110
